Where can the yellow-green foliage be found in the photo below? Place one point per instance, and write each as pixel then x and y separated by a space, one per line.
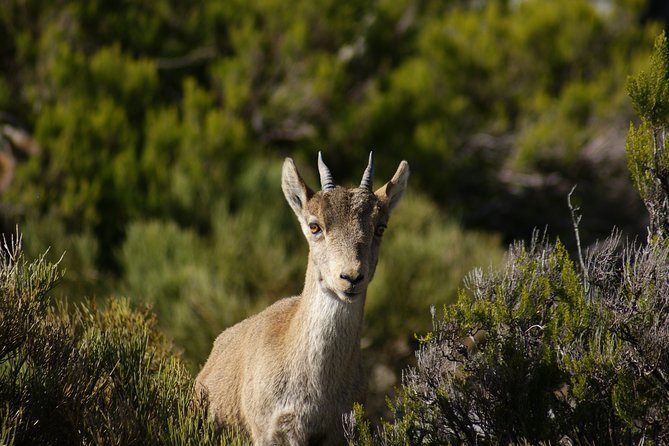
pixel 649 90
pixel 154 111
pixel 527 355
pixel 88 376
pixel 647 147
pixel 424 257
pixel 162 126
pixel 640 157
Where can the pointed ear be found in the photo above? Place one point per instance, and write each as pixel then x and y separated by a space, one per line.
pixel 392 191
pixel 296 191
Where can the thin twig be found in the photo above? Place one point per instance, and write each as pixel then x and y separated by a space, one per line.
pixel 196 57
pixel 576 219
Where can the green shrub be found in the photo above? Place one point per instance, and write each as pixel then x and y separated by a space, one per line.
pixel 527 355
pixel 173 271
pixel 647 148
pixel 424 257
pixel 76 254
pixel 153 112
pixel 543 353
pixel 199 285
pixel 84 375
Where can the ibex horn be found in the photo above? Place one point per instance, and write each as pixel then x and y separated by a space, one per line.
pixel 327 182
pixel 366 182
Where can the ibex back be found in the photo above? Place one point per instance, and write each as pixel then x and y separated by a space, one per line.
pixel 289 373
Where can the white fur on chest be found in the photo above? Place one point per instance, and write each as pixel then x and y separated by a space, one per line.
pixel 330 344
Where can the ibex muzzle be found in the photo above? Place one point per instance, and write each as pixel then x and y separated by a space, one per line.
pixel 289 373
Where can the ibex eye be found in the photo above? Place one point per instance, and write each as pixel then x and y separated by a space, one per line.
pixel 314 228
pixel 380 229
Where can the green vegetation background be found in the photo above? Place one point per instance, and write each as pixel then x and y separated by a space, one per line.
pixel 162 125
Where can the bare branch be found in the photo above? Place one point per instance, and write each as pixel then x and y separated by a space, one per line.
pixel 576 219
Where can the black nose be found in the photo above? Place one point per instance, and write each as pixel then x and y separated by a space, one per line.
pixel 352 280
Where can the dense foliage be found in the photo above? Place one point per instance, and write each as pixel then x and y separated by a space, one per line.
pixel 144 140
pixel 155 111
pixel 647 153
pixel 86 376
pixel 527 355
pixel 540 352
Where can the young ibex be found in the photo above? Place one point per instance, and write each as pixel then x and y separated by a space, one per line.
pixel 289 373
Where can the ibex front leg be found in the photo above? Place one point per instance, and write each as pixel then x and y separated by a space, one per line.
pixel 284 430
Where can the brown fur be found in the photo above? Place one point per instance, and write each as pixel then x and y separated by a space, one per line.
pixel 289 373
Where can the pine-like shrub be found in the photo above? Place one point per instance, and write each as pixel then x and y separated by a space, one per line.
pixel 647 149
pixel 545 352
pixel 85 375
pixel 527 355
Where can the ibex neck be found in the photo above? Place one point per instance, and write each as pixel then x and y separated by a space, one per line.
pixel 330 329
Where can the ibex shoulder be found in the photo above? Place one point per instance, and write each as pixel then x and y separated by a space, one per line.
pixel 268 325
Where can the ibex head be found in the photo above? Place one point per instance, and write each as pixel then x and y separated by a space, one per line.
pixel 343 226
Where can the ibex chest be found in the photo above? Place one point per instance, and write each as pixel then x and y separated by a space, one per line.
pixel 326 360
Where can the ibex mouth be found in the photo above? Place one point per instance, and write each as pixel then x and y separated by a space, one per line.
pixel 349 297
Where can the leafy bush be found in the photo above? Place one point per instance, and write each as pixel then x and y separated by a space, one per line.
pixel 161 125
pixel 528 355
pixel 158 123
pixel 647 147
pixel 87 376
pixel 541 352
pixel 424 257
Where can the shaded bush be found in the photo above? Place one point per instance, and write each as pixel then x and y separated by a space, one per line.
pixel 158 123
pixel 424 257
pixel 540 352
pixel 87 376
pixel 528 355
